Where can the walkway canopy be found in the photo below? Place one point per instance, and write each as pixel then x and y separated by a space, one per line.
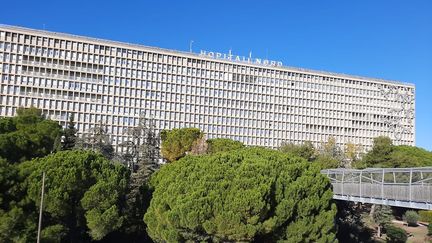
pixel 402 187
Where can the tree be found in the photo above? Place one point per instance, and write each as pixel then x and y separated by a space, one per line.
pixel 327 162
pixel 351 153
pixel 141 154
pixel 305 150
pixel 84 192
pixel 216 145
pixel 382 215
pixel 11 216
pixel 242 195
pixel 349 223
pixel 69 133
pixel 27 135
pixel 380 153
pixel 411 217
pixel 177 142
pixel 384 154
pixel 97 139
pixel 396 234
pixel 330 148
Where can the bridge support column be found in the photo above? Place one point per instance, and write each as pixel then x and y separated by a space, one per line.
pixel 382 185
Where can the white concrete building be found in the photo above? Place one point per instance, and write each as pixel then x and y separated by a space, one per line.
pixel 255 101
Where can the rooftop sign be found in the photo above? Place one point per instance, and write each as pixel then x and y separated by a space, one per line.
pixel 230 57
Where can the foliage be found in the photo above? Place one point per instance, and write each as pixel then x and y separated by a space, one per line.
pixel 396 234
pixel 199 147
pixel 242 195
pixel 141 154
pixel 384 155
pixel 14 226
pixel 349 223
pixel 176 142
pixel 382 216
pixel 54 233
pixel 430 228
pixel 69 133
pixel 425 215
pixel 27 135
pixel 305 150
pixel 410 156
pixel 331 149
pixel 352 154
pixel 98 140
pixel 380 153
pixel 327 162
pixel 411 217
pixel 217 145
pixel 83 192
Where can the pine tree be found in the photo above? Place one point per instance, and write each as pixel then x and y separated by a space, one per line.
pixel 141 155
pixel 69 140
pixel 97 139
pixel 382 215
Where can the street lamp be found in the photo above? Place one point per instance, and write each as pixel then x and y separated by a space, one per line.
pixel 62 140
pixel 40 208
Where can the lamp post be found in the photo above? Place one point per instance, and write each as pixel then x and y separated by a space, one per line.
pixel 40 208
pixel 62 140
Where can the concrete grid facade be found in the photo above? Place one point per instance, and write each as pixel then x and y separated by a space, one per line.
pixel 113 82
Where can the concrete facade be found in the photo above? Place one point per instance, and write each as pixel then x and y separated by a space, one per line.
pixel 256 103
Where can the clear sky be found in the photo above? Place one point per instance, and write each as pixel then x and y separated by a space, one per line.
pixel 389 39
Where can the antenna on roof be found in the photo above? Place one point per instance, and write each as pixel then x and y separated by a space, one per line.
pixel 190 45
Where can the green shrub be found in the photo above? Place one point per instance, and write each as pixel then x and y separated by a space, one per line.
pixel 425 215
pixel 396 235
pixel 430 228
pixel 411 217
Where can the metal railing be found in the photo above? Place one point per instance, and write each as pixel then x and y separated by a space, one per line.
pixel 404 187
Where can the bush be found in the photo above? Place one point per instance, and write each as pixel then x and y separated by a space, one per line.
pixel 250 194
pixel 396 235
pixel 411 217
pixel 430 228
pixel 425 216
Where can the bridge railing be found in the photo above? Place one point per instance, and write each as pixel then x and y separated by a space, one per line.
pixel 402 184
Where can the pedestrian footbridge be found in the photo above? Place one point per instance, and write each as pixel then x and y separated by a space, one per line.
pixel 400 187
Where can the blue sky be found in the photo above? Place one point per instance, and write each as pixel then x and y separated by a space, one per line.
pixel 387 39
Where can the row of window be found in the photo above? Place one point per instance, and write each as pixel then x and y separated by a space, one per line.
pixel 220 116
pixel 206 104
pixel 261 85
pixel 134 54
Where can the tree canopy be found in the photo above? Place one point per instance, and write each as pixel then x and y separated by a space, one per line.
pixel 305 150
pixel 69 133
pixel 27 135
pixel 216 145
pixel 384 154
pixel 244 195
pixel 176 142
pixel 380 152
pixel 84 192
